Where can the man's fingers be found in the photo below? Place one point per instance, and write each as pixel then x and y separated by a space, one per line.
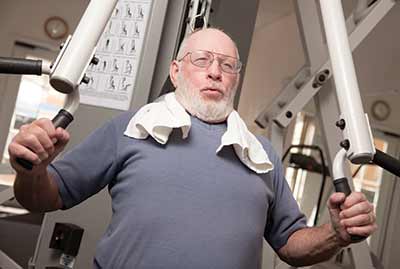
pixel 362 230
pixel 62 135
pixel 62 138
pixel 44 139
pixel 354 198
pixel 335 200
pixel 363 207
pixel 18 151
pixel 32 143
pixel 359 220
pixel 46 125
pixel 351 215
pixel 35 142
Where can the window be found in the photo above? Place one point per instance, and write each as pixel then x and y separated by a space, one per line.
pixel 303 134
pixel 36 99
pixel 367 178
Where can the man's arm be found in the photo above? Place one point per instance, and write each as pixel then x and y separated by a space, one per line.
pixel 39 143
pixel 37 193
pixel 351 215
pixel 310 245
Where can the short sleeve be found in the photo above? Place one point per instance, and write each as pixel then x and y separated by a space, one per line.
pixel 88 167
pixel 284 216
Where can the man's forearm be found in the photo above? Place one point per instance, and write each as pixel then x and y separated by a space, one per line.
pixel 37 192
pixel 310 245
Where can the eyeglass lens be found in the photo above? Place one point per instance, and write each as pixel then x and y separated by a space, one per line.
pixel 205 59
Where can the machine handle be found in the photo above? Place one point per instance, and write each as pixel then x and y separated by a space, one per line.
pixel 387 162
pixel 342 185
pixel 62 119
pixel 20 66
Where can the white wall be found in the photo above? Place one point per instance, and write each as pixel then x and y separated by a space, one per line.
pixel 24 20
pixel 276 55
pixel 377 62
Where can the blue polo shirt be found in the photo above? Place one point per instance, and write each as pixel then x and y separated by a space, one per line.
pixel 179 205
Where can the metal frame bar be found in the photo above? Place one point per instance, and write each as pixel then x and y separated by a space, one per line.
pixel 293 98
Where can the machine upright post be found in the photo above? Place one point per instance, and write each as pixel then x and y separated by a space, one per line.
pixel 356 130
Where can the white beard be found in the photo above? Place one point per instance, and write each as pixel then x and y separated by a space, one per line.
pixel 206 110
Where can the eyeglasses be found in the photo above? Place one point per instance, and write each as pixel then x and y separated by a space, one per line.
pixel 204 59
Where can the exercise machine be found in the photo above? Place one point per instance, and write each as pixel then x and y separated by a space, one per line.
pixel 353 139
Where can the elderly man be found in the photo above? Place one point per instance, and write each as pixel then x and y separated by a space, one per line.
pixel 191 187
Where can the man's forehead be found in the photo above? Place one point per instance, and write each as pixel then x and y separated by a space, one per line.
pixel 212 40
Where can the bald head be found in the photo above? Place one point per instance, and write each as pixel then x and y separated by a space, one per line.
pixel 211 39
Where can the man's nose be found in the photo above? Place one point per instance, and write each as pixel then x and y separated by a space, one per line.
pixel 214 71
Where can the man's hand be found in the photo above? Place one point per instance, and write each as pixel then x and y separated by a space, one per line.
pixel 352 215
pixel 39 143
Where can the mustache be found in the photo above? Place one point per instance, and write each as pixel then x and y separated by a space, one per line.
pixel 214 86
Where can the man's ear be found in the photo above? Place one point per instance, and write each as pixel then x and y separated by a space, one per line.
pixel 173 72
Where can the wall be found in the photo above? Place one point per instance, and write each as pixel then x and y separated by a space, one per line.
pixel 276 55
pixel 377 62
pixel 24 20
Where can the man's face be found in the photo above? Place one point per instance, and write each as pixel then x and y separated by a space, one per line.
pixel 206 91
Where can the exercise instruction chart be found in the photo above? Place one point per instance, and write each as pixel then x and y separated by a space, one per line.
pixel 112 80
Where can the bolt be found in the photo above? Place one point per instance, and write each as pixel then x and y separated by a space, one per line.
pixel 345 144
pixel 85 79
pixel 95 60
pixel 289 114
pixel 341 124
pixel 320 78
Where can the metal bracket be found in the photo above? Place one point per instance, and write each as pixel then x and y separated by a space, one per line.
pixel 199 10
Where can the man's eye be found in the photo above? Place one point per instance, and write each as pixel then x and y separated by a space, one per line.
pixel 228 65
pixel 202 60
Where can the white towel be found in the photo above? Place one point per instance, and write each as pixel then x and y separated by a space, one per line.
pixel 166 113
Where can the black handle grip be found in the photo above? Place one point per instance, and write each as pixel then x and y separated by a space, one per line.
pixel 20 66
pixel 387 162
pixel 342 185
pixel 62 119
pixel 25 164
